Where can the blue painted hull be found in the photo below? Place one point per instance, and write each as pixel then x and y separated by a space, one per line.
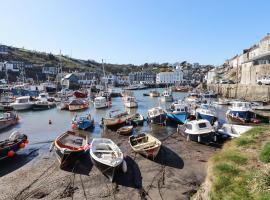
pixel 85 124
pixel 180 118
pixel 209 118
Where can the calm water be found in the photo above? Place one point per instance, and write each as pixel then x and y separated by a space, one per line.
pixel 35 123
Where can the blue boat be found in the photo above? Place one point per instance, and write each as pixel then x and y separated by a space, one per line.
pixel 178 113
pixel 206 112
pixel 83 122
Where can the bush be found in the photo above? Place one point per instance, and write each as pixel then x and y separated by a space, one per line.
pixel 265 153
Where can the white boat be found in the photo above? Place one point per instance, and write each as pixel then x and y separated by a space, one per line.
pixel 197 130
pixel 130 102
pixel 193 98
pixel 116 118
pixel 157 116
pixel 233 130
pixel 22 103
pixel 43 96
pixel 167 96
pixel 101 102
pixel 154 93
pixel 206 111
pixel 107 157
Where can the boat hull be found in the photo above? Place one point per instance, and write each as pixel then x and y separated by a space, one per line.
pixel 209 118
pixel 179 118
pixel 22 106
pixel 160 119
pixel 77 107
pixel 78 94
pixel 201 138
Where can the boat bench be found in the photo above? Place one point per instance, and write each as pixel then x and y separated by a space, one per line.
pixel 145 145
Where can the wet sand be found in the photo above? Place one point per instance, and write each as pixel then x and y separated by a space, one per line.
pixel 177 172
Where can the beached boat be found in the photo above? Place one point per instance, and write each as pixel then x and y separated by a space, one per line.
pixel 83 122
pixel 80 94
pixel 197 130
pixel 157 116
pixel 107 157
pixel 137 119
pixel 233 130
pixel 179 112
pixel 125 130
pixel 23 103
pixel 154 93
pixel 14 143
pixel 8 119
pixel 102 102
pixel 130 102
pixel 206 111
pixel 145 144
pixel 70 146
pixel 167 96
pixel 78 104
pixel 116 118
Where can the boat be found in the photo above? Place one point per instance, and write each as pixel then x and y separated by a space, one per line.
pixel 146 95
pixel 49 87
pixel 137 119
pixel 69 146
pixel 209 94
pixel 180 89
pixel 145 144
pixel 23 103
pixel 80 94
pixel 136 87
pixel 198 130
pixel 241 113
pixel 125 130
pixel 157 116
pixel 154 93
pixel 14 143
pixel 43 105
pixel 107 157
pixel 167 96
pixel 179 112
pixel 83 122
pixel 64 105
pixel 233 130
pixel 206 111
pixel 78 104
pixel 193 98
pixel 8 119
pixel 222 102
pixel 116 118
pixel 102 102
pixel 130 102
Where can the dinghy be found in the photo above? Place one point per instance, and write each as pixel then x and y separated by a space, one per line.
pixel 70 146
pixel 137 119
pixel 125 130
pixel 8 119
pixel 83 122
pixel 107 157
pixel 145 144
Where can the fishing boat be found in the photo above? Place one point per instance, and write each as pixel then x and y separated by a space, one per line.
pixel 14 143
pixel 80 94
pixel 167 96
pixel 23 103
pixel 193 98
pixel 179 112
pixel 116 118
pixel 241 113
pixel 130 102
pixel 145 144
pixel 197 130
pixel 206 111
pixel 233 130
pixel 83 122
pixel 125 130
pixel 137 119
pixel 8 119
pixel 157 116
pixel 70 146
pixel 107 157
pixel 78 104
pixel 154 93
pixel 101 102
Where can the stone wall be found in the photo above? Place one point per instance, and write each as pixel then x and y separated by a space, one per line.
pixel 240 91
pixel 250 72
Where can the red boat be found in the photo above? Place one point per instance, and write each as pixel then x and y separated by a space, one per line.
pixel 80 94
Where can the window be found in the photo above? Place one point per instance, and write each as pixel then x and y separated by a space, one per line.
pixel 202 125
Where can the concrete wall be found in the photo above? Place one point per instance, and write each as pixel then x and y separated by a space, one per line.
pixel 247 92
pixel 250 73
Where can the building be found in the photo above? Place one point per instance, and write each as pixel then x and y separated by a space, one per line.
pixel 175 77
pixel 50 70
pixel 70 81
pixel 109 79
pixel 211 76
pixel 144 76
pixel 3 50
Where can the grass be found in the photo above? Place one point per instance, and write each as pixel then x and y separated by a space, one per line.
pixel 265 153
pixel 236 171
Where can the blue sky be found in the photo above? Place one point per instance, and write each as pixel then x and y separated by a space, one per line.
pixel 136 31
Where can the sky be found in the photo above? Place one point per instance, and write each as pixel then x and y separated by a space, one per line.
pixel 136 31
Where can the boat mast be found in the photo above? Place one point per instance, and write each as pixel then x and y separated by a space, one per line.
pixel 104 75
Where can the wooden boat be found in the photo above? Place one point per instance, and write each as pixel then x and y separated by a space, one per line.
pixel 137 119
pixel 145 144
pixel 107 157
pixel 70 146
pixel 78 104
pixel 83 122
pixel 116 118
pixel 125 130
pixel 14 143
pixel 8 119
pixel 80 94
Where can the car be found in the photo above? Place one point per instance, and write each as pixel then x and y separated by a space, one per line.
pixel 263 81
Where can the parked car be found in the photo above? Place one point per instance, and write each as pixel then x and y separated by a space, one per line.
pixel 263 81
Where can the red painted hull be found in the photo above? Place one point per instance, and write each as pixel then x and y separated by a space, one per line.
pixel 79 94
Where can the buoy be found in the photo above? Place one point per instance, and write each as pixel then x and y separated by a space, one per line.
pixel 11 153
pixel 50 121
pixel 73 126
pixel 22 145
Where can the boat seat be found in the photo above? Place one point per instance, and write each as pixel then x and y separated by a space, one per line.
pixel 145 145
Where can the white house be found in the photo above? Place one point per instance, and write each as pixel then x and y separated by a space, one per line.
pixel 175 77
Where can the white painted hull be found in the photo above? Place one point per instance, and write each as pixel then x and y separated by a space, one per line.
pixel 102 105
pixel 167 99
pixel 131 104
pixel 22 106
